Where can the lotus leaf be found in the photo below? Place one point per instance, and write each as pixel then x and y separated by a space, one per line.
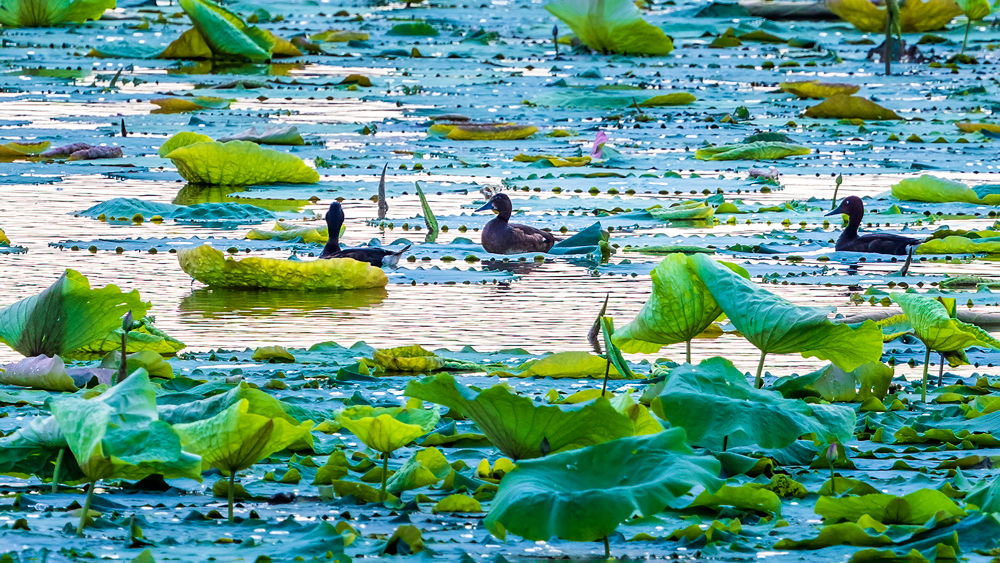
pixel 715 405
pixel 940 190
pixel 842 106
pixel 190 45
pixel 4 241
pixel 408 358
pixel 426 467
pixel 16 150
pixel 684 212
pixel 33 448
pixel 674 99
pixel 239 163
pixel 275 354
pixel 583 495
pixel 182 139
pixel 611 26
pixel 259 403
pixel 970 127
pixel 775 325
pixel 284 231
pixel 817 90
pixel 483 131
pixel 340 36
pixel 567 364
pixel 181 105
pixel 975 9
pixel 421 29
pixel 759 150
pixel 144 337
pixel 212 268
pixel 153 363
pixel 335 468
pixel 938 330
pixel 960 245
pixel 834 384
pixel 848 533
pixel 547 160
pixel 516 425
pixel 915 508
pixel 743 497
pixel 916 16
pixel 679 308
pixel 39 372
pixel 387 429
pixel 67 316
pixel 287 135
pixel 47 13
pixel 227 34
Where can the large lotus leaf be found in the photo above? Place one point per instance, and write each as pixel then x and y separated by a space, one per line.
pixel 775 325
pixel 258 403
pixel 45 13
pixel 387 429
pixel 408 358
pixel 960 245
pixel 67 316
pixel 679 308
pixel 226 33
pixel 212 268
pixel 284 231
pixel 743 497
pixel 834 384
pixel 190 45
pixel 937 330
pixel 611 26
pixel 144 338
pixel 235 439
pixel 758 150
pixel 516 425
pixel 842 106
pixel 713 401
pixel 483 131
pixel 817 90
pixel 940 190
pixel 239 163
pixel 182 139
pixel 118 434
pixel 33 448
pixel 39 372
pixel 914 16
pixel 915 508
pixel 426 467
pixel 567 364
pixel 583 495
pixel 971 127
pixel 153 363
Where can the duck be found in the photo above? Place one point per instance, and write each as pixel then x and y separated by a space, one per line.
pixel 501 237
pixel 879 243
pixel 373 255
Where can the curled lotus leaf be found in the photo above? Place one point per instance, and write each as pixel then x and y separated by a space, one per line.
pixel 970 127
pixel 674 99
pixel 212 268
pixel 685 212
pixel 815 89
pixel 226 34
pixel 914 16
pixel 612 26
pixel 284 231
pixel 387 429
pixel 842 106
pixel 937 329
pixel 408 358
pixel 239 163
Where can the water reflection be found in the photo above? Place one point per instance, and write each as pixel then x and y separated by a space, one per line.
pixel 211 303
pixel 193 194
pixel 514 266
pixel 247 69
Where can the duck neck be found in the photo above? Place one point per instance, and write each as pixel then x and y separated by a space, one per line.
pixel 333 238
pixel 851 231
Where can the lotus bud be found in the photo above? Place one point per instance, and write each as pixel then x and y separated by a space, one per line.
pixel 831 453
pixel 555 31
pixel 127 321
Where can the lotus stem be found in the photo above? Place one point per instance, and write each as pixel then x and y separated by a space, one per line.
pixel 725 442
pixel 607 371
pixel 968 27
pixel 760 371
pixel 86 509
pixel 232 491
pixel 941 372
pixel 607 548
pixel 833 480
pixel 688 351
pixel 887 51
pixel 836 188
pixel 923 390
pixel 385 473
pixel 56 470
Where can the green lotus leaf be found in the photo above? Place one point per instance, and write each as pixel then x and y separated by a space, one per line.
pixel 916 16
pixel 426 467
pixel 866 532
pixel 235 439
pixel 583 495
pixel 936 329
pixel 413 29
pixel 567 364
pixel 842 106
pixel 408 358
pixel 915 508
pixel 960 245
pixel 743 497
pixel 153 363
pixel 679 308
pixel 758 150
pixel 118 434
pixel 212 268
pixel 775 325
pixel 4 241
pixel 834 384
pixel 457 503
pixel 940 190
pixel 715 405
pixel 144 338
pixel 986 496
pixel 516 425
pixel 239 163
pixel 39 372
pixel 387 429
pixel 181 105
pixel 284 231
pixel 259 403
pixel 611 26
pixel 47 13
pixel 483 131
pixel 684 212
pixel 817 90
pixel 287 135
pixel 33 449
pixel 429 219
pixel 975 9
pixel 674 99
pixel 335 468
pixel 66 317
pixel 190 45
pixel 226 33
pixel 182 139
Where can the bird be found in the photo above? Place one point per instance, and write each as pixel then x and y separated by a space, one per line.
pixel 371 254
pixel 501 237
pixel 880 243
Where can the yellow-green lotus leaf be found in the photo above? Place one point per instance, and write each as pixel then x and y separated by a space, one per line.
pixel 181 105
pixel 457 503
pixel 914 16
pixel 285 231
pixel 144 338
pixel 817 90
pixel 567 364
pixel 340 36
pixel 227 34
pixel 975 9
pixel 933 189
pixel 842 106
pixel 759 150
pixel 960 245
pixel 183 139
pixel 239 163
pixel 212 268
pixel 611 26
pixel 387 429
pixel 46 13
pixel 970 127
pixel 190 45
pixel 483 131
pixel 408 358
pixel 426 467
pixel 360 491
pixel 674 99
pixel 915 508
pixel 555 161
pixel 4 241
pixel 743 497
pixel 277 354
pixel 336 467
pixel 936 329
pixel 847 533
pixel 234 439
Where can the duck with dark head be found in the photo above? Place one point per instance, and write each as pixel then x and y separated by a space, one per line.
pixel 880 243
pixel 373 255
pixel 502 237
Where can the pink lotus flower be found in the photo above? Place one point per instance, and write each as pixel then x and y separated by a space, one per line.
pixel 599 140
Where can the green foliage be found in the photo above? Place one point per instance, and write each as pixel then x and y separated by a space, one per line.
pixel 47 13
pixel 239 163
pixel 226 33
pixel 611 26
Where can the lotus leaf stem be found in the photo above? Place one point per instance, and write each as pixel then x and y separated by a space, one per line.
pixel 607 548
pixel 887 47
pixel 833 480
pixel 56 470
pixel 688 351
pixel 86 509
pixel 836 188
pixel 385 473
pixel 941 371
pixel 923 389
pixel 607 371
pixel 968 27
pixel 760 371
pixel 232 490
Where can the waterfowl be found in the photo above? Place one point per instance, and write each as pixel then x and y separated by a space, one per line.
pixel 372 254
pixel 881 243
pixel 501 237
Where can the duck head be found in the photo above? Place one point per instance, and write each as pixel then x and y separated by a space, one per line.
pixel 501 203
pixel 851 206
pixel 335 217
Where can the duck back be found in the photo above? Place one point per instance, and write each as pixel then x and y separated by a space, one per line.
pixel 501 237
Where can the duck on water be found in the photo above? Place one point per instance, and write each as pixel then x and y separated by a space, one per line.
pixel 880 243
pixel 502 237
pixel 373 255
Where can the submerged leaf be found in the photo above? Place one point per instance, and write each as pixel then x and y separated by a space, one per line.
pixel 239 163
pixel 611 26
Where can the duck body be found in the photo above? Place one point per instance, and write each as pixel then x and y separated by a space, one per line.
pixel 373 255
pixel 502 237
pixel 878 243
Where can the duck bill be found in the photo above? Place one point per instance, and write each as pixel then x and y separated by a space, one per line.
pixel 489 205
pixel 836 211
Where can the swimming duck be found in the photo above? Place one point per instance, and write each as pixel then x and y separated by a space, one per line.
pixel 501 237
pixel 372 254
pixel 880 243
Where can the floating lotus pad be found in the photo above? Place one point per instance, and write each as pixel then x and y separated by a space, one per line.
pixel 940 190
pixel 914 16
pixel 483 131
pixel 817 89
pixel 239 163
pixel 843 106
pixel 408 358
pixel 760 150
pixel 212 268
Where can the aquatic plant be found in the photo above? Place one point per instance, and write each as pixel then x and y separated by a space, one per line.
pixel 611 26
pixel 47 13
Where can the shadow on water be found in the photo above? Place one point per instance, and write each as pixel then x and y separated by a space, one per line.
pixel 227 302
pixel 193 194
